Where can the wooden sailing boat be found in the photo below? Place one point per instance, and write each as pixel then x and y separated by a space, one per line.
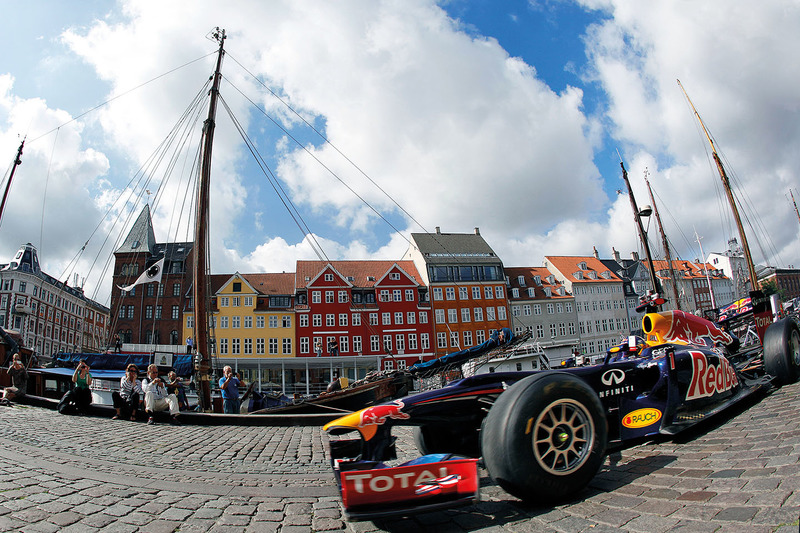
pixel 760 303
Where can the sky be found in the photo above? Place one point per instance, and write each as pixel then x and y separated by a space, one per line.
pixel 508 116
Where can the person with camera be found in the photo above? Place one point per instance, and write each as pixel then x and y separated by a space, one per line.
pixel 129 394
pixel 229 385
pixel 156 397
pixel 80 397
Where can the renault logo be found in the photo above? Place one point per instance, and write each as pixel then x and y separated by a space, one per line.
pixel 614 376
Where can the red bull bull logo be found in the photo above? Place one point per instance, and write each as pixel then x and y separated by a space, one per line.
pixel 378 414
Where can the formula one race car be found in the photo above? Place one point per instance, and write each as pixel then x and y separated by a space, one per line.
pixel 544 435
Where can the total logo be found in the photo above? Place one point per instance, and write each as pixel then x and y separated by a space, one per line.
pixel 370 482
pixel 708 379
pixel 641 418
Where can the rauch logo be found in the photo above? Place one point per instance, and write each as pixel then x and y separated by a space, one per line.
pixel 641 418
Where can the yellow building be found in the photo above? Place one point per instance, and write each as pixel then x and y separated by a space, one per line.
pixel 253 319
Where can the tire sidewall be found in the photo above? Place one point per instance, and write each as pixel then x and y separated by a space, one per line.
pixel 507 440
pixel 778 359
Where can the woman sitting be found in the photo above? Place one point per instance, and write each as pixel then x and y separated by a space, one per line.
pixel 80 396
pixel 129 394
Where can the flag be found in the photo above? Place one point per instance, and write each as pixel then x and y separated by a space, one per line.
pixel 150 275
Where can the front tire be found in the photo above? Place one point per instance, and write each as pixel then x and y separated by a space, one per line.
pixel 782 351
pixel 545 437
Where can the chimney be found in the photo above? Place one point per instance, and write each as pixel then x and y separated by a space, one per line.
pixel 438 230
pixel 615 254
pixel 596 255
pixel 635 256
pixel 477 231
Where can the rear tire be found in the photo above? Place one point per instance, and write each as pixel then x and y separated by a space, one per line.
pixel 545 437
pixel 782 351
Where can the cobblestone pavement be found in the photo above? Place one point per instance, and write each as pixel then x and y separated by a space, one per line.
pixel 83 474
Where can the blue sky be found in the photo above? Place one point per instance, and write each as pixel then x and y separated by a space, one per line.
pixel 508 116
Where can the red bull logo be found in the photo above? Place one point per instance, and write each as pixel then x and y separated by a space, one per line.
pixel 378 414
pixel 708 379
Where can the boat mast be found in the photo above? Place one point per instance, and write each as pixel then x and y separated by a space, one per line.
pixel 17 162
pixel 200 266
pixel 726 185
pixel 664 242
pixel 795 205
pixel 705 267
pixel 642 234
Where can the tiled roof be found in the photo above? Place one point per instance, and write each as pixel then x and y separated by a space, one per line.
pixel 454 248
pixel 529 274
pixel 364 273
pixel 269 284
pixel 687 269
pixel 568 266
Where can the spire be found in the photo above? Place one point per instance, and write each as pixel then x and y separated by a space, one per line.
pixel 141 237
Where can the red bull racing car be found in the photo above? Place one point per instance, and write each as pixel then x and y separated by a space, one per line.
pixel 542 436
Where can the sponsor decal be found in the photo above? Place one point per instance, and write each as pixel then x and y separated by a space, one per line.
pixel 615 392
pixel 615 376
pixel 378 414
pixel 641 418
pixel 708 379
pixel 372 482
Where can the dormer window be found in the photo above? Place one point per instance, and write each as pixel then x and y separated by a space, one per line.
pixel 561 291
pixel 592 275
pixel 582 265
pixel 515 293
pixel 578 275
pixel 551 279
pixel 606 274
pixel 538 280
pixel 548 292
pixel 136 244
pixel 530 292
pixel 521 281
pixel 370 278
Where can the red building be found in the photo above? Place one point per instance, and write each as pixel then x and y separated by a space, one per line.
pixel 363 308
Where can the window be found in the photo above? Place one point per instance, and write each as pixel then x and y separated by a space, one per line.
pixel 411 317
pixel 342 295
pixel 148 312
pixel 409 295
pixel 387 343
pixel 373 319
pixel 356 319
pixel 476 293
pixel 526 310
pixel 562 329
pixel 478 314
pixel 303 344
pixel 273 346
pixel 235 345
pixel 343 320
pixel 550 309
pixel 463 293
pixel 559 308
pixel 488 293
pixel 412 341
pixel 452 315
pixel 398 317
pixel 286 321
pixel 490 314
pixel 441 339
pixel 568 307
pixel 423 317
pixel 498 292
pixel 328 297
pixel 224 301
pixel 316 321
pixel 248 322
pixel 357 343
pixel 236 322
pixel 260 346
pixel 515 310
pixel 287 346
pixel 437 293
pixel 303 320
pixel 501 312
pixel 439 314
pixel 385 296
pixel 467 338
pixel 386 319
pixel 397 295
pixel 330 320
pixel 189 322
pixel 480 336
pixel 316 297
pixel 248 346
pixel 465 314
pixel 400 342
pixel 537 309
pixel 328 277
pixel 425 341
pixel 176 289
pixel 450 293
pixel 235 300
pixel 176 312
pixel 375 343
pixel 539 331
pixel 223 346
pixel 388 364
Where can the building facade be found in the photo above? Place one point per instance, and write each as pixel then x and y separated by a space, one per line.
pixel 50 315
pixel 541 305
pixel 467 285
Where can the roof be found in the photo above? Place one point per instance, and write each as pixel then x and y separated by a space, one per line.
pixel 687 269
pixel 267 284
pixel 141 236
pixel 529 277
pixel 568 266
pixel 452 248
pixel 364 273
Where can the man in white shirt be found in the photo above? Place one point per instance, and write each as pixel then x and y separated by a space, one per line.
pixel 156 397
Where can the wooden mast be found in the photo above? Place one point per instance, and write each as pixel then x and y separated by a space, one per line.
pixel 200 266
pixel 795 205
pixel 726 185
pixel 642 234
pixel 17 162
pixel 664 242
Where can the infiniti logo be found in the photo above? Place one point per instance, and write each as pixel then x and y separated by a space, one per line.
pixel 613 377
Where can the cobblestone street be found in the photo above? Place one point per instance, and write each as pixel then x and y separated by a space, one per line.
pixel 739 473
